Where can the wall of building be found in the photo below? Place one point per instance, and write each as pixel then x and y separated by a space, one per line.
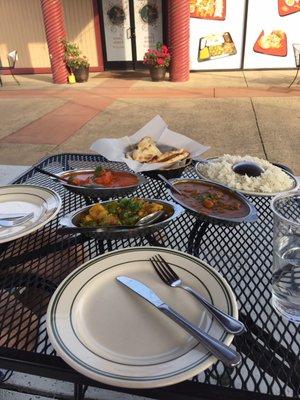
pixel 22 28
pixel 79 19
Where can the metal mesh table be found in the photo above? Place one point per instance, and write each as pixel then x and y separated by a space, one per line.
pixel 33 266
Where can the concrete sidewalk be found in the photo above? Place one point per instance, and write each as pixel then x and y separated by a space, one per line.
pixel 234 112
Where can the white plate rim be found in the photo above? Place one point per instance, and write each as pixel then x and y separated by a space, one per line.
pixel 42 223
pixel 249 193
pixel 136 382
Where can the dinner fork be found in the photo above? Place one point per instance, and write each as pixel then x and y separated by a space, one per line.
pixel 169 277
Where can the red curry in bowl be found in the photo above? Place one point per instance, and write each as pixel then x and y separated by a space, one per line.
pixel 211 200
pixel 102 177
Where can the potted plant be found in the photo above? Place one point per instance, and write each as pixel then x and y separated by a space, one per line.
pixel 158 61
pixel 77 64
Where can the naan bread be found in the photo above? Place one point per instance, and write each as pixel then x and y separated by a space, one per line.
pixel 173 156
pixel 146 151
pixel 143 156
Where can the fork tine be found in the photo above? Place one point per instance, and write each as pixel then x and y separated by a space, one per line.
pixel 159 272
pixel 168 267
pixel 163 269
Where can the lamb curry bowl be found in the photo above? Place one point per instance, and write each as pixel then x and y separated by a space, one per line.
pixel 213 202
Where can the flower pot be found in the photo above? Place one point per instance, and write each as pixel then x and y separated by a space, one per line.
pixel 81 74
pixel 157 74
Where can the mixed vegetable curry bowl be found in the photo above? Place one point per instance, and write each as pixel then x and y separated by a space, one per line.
pixel 118 218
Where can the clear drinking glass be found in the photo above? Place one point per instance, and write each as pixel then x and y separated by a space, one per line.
pixel 286 255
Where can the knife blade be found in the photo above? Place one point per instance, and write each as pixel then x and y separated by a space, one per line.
pixel 229 356
pixel 141 289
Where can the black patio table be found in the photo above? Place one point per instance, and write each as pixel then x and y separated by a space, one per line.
pixel 33 266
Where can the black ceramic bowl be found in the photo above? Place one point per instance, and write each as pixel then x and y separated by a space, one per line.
pixel 175 170
pixel 170 173
pixel 70 223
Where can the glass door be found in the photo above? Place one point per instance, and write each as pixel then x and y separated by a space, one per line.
pixel 130 28
pixel 148 18
pixel 117 37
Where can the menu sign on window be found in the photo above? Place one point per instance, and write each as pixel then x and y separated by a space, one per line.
pixel 216 28
pixel 271 32
pixel 224 38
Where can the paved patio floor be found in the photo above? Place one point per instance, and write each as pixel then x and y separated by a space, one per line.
pixel 235 112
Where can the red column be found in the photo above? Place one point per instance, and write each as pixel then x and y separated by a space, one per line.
pixel 98 36
pixel 55 32
pixel 179 39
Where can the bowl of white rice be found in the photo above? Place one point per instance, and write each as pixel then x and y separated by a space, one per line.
pixel 272 181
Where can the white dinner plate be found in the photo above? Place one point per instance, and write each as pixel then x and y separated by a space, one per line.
pixel 42 202
pixel 110 334
pixel 248 192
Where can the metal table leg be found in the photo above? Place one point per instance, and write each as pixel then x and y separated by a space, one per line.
pixel 196 236
pixel 3 247
pixel 153 242
pixel 79 391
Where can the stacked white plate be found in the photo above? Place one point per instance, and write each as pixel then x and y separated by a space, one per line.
pixel 24 199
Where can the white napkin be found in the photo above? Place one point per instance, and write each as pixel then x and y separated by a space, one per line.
pixel 157 129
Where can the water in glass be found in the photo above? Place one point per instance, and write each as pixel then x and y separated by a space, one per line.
pixel 286 253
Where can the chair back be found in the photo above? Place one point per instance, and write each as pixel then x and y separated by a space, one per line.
pixel 296 48
pixel 12 58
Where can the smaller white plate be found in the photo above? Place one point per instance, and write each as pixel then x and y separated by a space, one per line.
pixel 42 202
pixel 264 194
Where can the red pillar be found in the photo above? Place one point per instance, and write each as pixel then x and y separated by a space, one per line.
pixel 55 31
pixel 179 39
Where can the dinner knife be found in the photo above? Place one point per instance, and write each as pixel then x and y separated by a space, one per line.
pixel 224 353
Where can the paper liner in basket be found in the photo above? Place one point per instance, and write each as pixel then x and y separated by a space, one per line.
pixel 157 129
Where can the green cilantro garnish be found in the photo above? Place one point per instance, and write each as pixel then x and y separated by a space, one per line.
pixel 98 171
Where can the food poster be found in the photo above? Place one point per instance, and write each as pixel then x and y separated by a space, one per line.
pixel 217 43
pixel 216 46
pixel 286 7
pixel 270 34
pixel 208 9
pixel 272 43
